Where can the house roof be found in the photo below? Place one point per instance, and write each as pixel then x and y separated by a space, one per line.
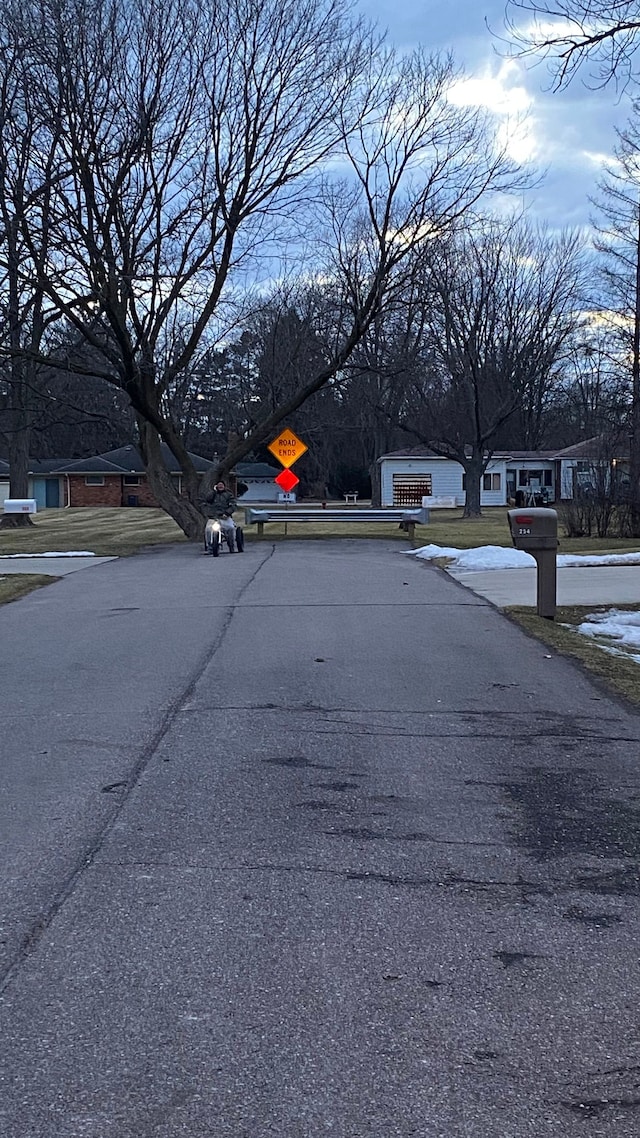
pixel 37 465
pixel 255 470
pixel 412 452
pixel 96 465
pixel 124 460
pixel 590 448
pixel 516 455
pixel 526 455
pixel 127 460
pixel 598 447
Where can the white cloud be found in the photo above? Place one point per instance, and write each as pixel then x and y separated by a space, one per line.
pixel 600 159
pixel 504 95
pixel 538 31
pixel 497 93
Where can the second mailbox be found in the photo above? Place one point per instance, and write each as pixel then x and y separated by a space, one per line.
pixel 534 529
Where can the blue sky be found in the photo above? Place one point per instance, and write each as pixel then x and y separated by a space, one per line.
pixel 565 134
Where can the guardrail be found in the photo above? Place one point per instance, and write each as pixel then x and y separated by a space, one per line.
pixel 408 519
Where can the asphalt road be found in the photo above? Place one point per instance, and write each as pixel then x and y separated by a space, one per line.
pixel 310 841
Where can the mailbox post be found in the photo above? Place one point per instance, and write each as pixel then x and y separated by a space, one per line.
pixel 536 531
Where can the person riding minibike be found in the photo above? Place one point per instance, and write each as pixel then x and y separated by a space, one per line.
pixel 219 506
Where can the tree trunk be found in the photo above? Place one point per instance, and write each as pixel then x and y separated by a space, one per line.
pixel 19 417
pixel 18 465
pixel 19 460
pixel 376 485
pixel 181 509
pixel 474 469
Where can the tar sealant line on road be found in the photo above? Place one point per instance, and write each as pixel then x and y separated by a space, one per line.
pixel 33 936
pixel 478 602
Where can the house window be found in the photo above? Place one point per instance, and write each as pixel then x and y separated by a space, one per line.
pixel 410 489
pixel 548 478
pixel 131 480
pixel 94 480
pixel 490 481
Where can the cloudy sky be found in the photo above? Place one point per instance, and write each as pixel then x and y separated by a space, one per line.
pixel 566 134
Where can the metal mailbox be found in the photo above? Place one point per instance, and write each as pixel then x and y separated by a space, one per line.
pixel 20 506
pixel 536 531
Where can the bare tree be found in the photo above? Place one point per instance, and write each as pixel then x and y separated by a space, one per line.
pixel 187 137
pixel 618 241
pixel 602 33
pixel 502 307
pixel 590 399
pixel 24 185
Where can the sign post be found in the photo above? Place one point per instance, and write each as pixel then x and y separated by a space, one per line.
pixel 287 448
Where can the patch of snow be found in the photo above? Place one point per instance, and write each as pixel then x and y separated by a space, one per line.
pixel 578 560
pixel 69 553
pixel 484 557
pixel 622 628
pixel 504 557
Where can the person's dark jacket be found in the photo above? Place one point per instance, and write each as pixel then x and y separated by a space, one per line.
pixel 219 502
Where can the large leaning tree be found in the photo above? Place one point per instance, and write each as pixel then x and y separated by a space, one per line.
pixel 191 142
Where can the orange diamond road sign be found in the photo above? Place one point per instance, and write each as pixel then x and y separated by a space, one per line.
pixel 286 479
pixel 287 448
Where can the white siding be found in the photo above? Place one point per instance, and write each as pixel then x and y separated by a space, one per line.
pixel 495 497
pixel 446 478
pixel 566 478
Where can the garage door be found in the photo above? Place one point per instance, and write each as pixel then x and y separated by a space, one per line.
pixel 410 489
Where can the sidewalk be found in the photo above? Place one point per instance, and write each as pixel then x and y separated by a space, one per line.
pixel 591 585
pixel 48 566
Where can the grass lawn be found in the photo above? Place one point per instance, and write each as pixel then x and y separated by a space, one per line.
pixel 118 532
pixel 105 532
pixel 447 528
pixel 19 584
pixel 620 674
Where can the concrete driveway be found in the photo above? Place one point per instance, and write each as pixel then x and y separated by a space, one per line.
pixel 310 841
pixel 591 585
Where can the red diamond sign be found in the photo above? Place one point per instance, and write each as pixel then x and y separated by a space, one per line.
pixel 286 480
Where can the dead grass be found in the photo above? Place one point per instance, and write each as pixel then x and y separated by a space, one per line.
pixel 446 527
pixel 18 585
pixel 105 532
pixel 119 532
pixel 617 673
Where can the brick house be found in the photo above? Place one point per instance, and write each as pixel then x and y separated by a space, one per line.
pixel 117 478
